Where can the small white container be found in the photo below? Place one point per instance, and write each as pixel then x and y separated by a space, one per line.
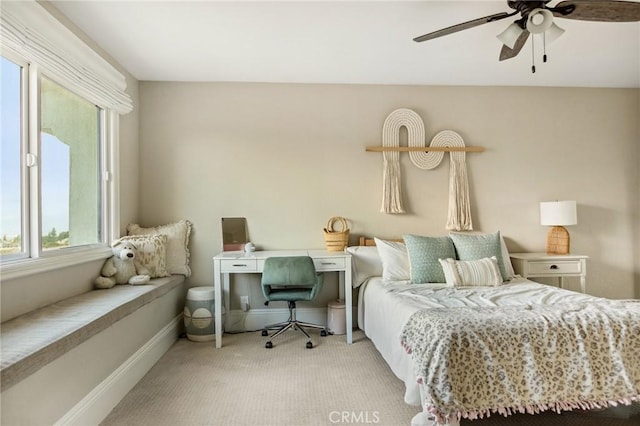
pixel 198 314
pixel 336 317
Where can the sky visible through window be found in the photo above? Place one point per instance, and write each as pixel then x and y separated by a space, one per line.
pixel 55 166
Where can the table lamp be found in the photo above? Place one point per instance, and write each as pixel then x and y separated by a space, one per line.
pixel 558 214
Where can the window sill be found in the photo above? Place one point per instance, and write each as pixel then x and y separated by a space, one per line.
pixel 71 257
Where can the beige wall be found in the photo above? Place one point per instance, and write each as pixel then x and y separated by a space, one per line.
pixel 289 156
pixel 129 160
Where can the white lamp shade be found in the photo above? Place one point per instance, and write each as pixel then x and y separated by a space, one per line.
pixel 553 33
pixel 509 36
pixel 558 213
pixel 539 21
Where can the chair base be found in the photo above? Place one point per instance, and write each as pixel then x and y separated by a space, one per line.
pixel 283 326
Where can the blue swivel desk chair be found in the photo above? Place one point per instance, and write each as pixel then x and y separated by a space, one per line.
pixel 290 279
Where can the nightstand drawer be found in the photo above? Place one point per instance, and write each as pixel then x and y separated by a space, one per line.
pixel 329 264
pixel 555 268
pixel 239 265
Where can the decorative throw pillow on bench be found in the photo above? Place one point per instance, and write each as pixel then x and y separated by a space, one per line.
pixel 177 252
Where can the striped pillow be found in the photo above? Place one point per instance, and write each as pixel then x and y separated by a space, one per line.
pixel 481 272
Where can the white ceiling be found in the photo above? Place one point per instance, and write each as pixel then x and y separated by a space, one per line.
pixel 362 42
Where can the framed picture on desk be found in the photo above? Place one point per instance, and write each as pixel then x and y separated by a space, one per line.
pixel 234 233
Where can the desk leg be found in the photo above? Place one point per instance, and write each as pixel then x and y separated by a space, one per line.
pixel 217 284
pixel 348 303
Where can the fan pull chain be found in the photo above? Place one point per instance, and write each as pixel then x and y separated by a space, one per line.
pixel 544 48
pixel 533 56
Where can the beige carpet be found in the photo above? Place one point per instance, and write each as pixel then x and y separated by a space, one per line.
pixel 245 384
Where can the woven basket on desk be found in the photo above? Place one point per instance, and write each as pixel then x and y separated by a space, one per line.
pixel 336 240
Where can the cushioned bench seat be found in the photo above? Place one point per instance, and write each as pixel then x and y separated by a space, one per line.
pixel 31 341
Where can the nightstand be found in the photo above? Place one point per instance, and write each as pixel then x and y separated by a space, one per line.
pixel 530 265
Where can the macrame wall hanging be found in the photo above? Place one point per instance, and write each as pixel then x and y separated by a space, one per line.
pixel 426 158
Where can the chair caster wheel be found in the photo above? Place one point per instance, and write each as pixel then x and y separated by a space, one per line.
pixel 268 345
pixel 265 332
pixel 323 333
pixel 309 345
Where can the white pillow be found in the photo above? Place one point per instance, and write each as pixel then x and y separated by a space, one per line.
pixel 151 254
pixel 177 243
pixel 365 263
pixel 395 260
pixel 481 272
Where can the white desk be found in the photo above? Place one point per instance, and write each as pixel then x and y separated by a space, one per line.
pixel 237 262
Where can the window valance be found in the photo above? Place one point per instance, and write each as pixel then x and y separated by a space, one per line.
pixel 30 31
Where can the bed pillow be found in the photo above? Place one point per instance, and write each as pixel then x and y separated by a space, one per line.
pixel 506 259
pixel 481 272
pixel 365 263
pixel 451 276
pixel 177 243
pixel 395 261
pixel 424 253
pixel 479 246
pixel 151 254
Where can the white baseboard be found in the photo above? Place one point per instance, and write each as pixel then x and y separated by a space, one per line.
pixel 98 403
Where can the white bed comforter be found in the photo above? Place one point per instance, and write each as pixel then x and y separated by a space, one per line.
pixel 385 308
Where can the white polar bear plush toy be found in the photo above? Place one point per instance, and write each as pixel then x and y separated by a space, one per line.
pixel 120 268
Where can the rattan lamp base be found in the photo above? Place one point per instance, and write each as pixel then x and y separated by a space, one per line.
pixel 558 240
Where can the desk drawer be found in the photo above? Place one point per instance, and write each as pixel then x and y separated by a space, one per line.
pixel 554 268
pixel 329 264
pixel 239 265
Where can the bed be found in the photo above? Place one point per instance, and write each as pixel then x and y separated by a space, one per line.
pixel 470 351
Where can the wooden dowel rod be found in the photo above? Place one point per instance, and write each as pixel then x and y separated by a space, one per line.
pixel 425 148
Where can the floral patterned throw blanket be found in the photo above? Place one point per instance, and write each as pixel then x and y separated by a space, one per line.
pixel 475 361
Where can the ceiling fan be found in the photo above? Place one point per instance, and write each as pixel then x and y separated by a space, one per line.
pixel 536 17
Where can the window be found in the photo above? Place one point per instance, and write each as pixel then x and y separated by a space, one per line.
pixel 52 192
pixel 60 103
pixel 70 143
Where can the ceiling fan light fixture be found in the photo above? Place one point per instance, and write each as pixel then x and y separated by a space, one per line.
pixel 539 21
pixel 509 36
pixel 553 33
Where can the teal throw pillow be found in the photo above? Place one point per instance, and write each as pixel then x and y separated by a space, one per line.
pixel 480 246
pixel 424 253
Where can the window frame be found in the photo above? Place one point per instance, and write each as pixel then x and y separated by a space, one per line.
pixel 33 259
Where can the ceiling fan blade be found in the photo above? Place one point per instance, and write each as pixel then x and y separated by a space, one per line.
pixel 508 53
pixel 598 10
pixel 464 26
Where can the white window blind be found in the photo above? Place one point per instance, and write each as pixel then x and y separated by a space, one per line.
pixel 32 32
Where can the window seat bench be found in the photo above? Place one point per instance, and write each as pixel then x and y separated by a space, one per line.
pixel 35 339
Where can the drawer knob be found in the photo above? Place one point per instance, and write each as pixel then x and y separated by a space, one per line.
pixel 553 267
pixel 239 264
